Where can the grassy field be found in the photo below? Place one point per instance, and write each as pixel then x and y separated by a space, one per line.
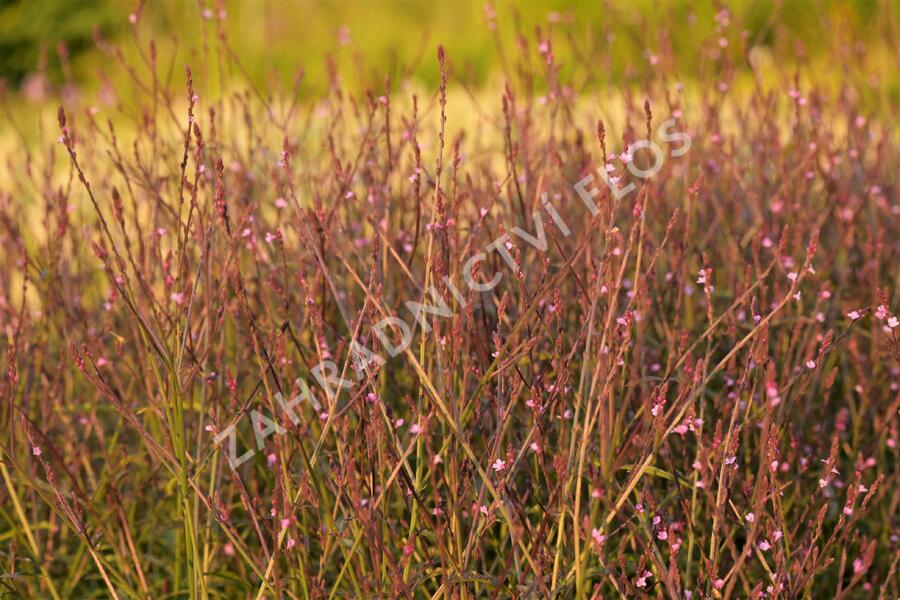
pixel 451 301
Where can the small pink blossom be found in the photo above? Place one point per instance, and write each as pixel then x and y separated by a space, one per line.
pixel 641 581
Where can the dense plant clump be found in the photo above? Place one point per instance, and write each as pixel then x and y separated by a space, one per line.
pixel 441 344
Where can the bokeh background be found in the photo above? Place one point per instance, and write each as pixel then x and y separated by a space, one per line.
pixel 57 46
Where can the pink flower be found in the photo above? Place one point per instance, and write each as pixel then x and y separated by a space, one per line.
pixel 810 364
pixel 893 322
pixel 853 315
pixel 36 451
pixel 719 583
pixel 641 581
pixel 598 536
pixel 765 545
pixel 750 517
pixel 499 465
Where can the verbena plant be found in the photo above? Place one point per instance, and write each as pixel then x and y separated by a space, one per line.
pixel 687 390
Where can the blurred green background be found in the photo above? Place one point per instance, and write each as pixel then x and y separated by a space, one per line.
pixel 47 44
